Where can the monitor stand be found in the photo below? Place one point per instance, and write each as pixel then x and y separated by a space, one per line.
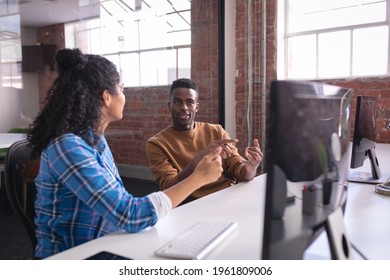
pixel 367 178
pixel 373 177
pixel 340 247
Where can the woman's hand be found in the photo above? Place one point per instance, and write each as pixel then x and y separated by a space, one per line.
pixel 209 168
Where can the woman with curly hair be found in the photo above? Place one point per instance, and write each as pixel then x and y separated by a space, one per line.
pixel 80 195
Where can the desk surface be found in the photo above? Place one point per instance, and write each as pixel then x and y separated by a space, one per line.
pixel 367 226
pixel 242 203
pixel 366 213
pixel 7 139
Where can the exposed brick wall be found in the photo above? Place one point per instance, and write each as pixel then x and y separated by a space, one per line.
pixel 204 56
pixel 245 83
pixel 375 86
pixel 146 113
pixel 52 35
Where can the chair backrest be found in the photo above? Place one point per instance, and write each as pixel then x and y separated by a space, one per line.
pixel 3 151
pixel 20 170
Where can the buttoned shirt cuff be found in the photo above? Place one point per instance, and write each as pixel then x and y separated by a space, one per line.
pixel 161 202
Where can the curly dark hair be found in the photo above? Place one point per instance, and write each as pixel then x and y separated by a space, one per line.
pixel 183 83
pixel 74 100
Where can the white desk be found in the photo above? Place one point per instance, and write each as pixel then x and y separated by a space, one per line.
pixel 243 203
pixel 366 215
pixel 366 221
pixel 7 139
pixel 368 226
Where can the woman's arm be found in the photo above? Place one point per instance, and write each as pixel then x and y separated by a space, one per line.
pixel 77 167
pixel 208 170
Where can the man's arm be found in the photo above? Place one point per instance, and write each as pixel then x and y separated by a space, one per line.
pixel 161 165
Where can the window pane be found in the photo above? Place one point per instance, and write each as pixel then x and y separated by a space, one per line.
pixel 155 67
pixel 10 44
pixel 114 59
pixel 370 51
pixel 165 65
pixel 6 75
pixel 95 41
pixel 70 35
pixel 179 21
pixel 130 40
pixel 301 57
pixel 130 70
pixel 111 29
pixel 11 75
pixel 82 41
pixel 334 54
pixel 153 33
pixel 311 15
pixel 179 38
pixel 184 63
pixel 16 70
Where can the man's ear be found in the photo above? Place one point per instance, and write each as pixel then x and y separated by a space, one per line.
pixel 106 96
pixel 197 107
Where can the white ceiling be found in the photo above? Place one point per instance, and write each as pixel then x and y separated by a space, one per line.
pixel 38 13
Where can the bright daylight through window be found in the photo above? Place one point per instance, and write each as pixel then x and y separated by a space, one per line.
pixel 333 38
pixel 149 41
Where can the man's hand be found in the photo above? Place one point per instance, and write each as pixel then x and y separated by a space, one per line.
pixel 254 154
pixel 253 158
pixel 222 145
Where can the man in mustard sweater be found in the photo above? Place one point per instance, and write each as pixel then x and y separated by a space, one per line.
pixel 174 152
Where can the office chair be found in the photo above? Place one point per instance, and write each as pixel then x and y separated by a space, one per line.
pixel 1 172
pixel 3 151
pixel 21 168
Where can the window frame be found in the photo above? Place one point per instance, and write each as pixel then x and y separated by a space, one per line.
pixel 283 36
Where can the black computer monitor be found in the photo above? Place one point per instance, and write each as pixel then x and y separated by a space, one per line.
pixel 307 150
pixel 364 142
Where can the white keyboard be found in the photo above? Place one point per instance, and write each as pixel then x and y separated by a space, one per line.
pixel 197 241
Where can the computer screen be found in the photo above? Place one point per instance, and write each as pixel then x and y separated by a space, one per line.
pixel 307 152
pixel 364 142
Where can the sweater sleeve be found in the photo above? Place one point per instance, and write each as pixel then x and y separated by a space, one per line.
pixel 161 165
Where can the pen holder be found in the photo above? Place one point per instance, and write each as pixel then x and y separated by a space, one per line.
pixel 326 191
pixel 309 199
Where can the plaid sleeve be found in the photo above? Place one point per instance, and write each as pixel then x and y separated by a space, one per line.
pixel 92 178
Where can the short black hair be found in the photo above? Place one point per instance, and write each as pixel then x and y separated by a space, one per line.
pixel 183 83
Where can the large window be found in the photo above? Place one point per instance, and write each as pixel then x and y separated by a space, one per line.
pixel 333 38
pixel 149 41
pixel 10 51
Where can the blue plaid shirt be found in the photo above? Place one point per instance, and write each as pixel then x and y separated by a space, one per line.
pixel 80 197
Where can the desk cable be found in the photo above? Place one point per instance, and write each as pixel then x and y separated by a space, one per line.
pixel 358 251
